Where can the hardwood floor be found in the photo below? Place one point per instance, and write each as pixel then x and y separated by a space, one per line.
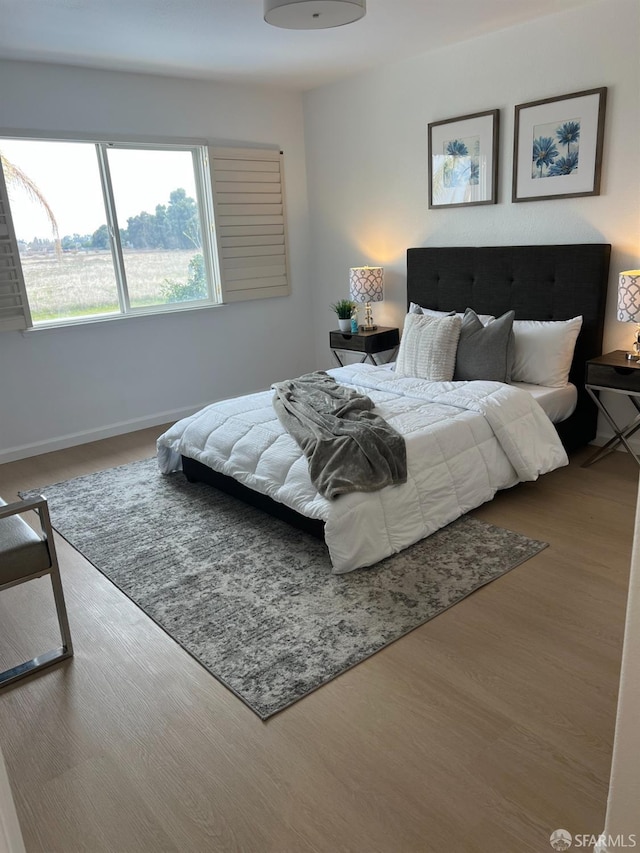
pixel 483 730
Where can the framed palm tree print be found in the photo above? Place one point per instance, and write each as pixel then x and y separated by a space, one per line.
pixel 557 148
pixel 463 160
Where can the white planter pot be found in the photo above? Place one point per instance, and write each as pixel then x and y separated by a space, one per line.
pixel 344 325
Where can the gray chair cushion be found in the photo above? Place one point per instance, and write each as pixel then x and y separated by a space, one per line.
pixel 485 352
pixel 22 551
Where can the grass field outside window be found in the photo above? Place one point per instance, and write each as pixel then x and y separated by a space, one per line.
pixel 82 283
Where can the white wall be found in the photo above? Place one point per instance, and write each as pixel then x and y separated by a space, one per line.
pixel 623 808
pixel 366 142
pixel 67 385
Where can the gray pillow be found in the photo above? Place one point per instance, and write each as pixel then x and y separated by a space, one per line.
pixel 485 352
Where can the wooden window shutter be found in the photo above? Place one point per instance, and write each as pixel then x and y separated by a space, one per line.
pixel 14 307
pixel 250 222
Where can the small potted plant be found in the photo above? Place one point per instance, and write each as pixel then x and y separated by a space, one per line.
pixel 344 309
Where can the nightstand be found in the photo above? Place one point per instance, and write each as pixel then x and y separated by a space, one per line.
pixel 365 343
pixel 613 372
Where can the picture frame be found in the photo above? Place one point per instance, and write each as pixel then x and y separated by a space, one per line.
pixel 557 146
pixel 463 160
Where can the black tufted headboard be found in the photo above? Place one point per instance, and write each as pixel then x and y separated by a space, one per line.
pixel 539 283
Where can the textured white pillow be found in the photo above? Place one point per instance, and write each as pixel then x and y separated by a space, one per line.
pixel 543 351
pixel 414 308
pixel 428 347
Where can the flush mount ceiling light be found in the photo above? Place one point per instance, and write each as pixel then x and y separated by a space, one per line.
pixel 313 14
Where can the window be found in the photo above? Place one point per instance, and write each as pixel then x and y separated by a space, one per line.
pixel 109 229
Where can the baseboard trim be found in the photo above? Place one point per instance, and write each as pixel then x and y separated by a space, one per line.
pixel 13 454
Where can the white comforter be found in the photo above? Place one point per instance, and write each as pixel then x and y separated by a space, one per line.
pixel 465 440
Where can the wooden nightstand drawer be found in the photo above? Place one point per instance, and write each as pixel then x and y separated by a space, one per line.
pixel 382 339
pixel 370 342
pixel 619 377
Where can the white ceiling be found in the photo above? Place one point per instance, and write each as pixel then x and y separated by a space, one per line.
pixel 228 39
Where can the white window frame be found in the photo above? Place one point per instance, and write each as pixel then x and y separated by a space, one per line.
pixel 258 269
pixel 14 305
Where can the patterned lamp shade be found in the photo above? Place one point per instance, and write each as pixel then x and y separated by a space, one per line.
pixel 629 296
pixel 366 284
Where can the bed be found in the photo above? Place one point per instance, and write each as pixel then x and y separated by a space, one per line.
pixel 483 436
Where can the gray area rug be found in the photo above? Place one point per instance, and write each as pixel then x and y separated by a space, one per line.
pixel 253 599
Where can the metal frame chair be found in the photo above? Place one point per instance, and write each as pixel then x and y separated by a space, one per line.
pixel 24 556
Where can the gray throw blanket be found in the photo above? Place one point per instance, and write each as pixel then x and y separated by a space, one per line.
pixel 349 449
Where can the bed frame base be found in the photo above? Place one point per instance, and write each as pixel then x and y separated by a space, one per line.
pixel 196 472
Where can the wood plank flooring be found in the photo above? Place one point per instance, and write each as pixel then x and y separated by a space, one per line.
pixel 483 730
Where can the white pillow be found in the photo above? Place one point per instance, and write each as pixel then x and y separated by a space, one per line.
pixel 428 347
pixel 414 308
pixel 543 351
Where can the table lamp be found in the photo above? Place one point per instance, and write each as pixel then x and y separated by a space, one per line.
pixel 366 285
pixel 629 306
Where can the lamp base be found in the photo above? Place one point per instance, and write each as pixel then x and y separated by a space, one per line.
pixel 634 354
pixel 369 325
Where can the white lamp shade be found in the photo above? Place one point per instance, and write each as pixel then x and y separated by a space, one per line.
pixel 313 14
pixel 629 296
pixel 366 284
